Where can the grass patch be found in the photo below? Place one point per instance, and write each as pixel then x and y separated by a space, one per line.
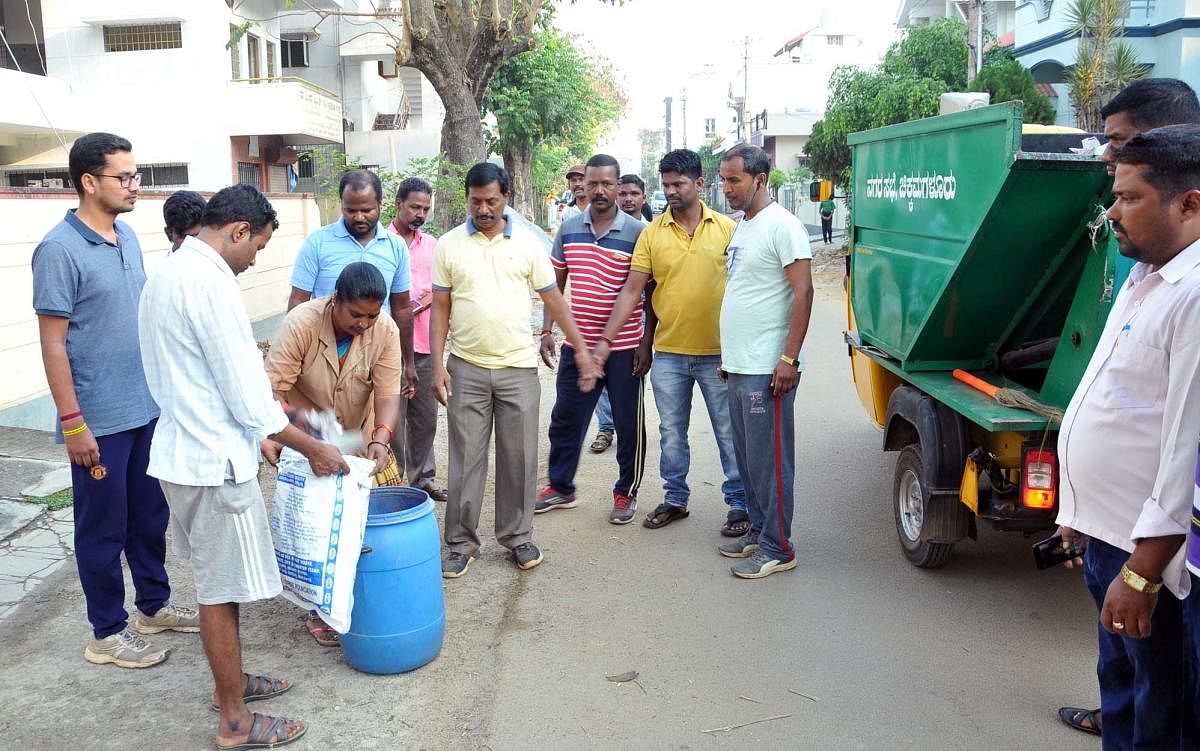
pixel 56 501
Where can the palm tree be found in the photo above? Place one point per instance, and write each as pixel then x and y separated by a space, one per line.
pixel 1104 62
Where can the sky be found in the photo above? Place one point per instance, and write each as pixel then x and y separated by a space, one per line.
pixel 663 48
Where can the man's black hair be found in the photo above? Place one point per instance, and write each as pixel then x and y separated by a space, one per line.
pixel 684 161
pixel 239 203
pixel 182 210
pixel 1171 155
pixel 1155 102
pixel 360 180
pixel 411 185
pixel 632 179
pixel 360 281
pixel 604 160
pixel 486 173
pixel 755 161
pixel 89 155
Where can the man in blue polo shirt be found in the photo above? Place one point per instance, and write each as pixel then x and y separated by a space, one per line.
pixel 87 278
pixel 359 236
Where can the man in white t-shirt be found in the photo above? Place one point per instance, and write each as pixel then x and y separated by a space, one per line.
pixel 764 317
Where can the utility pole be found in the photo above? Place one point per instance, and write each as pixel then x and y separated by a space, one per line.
pixel 667 122
pixel 745 90
pixel 685 120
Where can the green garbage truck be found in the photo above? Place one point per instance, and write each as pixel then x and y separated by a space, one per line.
pixel 980 250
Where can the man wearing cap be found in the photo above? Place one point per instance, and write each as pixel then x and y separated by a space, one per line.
pixel 581 200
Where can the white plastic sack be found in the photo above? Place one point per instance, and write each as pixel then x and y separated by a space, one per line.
pixel 317 524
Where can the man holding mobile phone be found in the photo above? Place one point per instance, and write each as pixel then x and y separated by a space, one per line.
pixel 1139 399
pixel 413 441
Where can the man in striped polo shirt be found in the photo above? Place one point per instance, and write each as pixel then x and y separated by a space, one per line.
pixel 593 251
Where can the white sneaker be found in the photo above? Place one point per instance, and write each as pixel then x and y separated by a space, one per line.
pixel 168 618
pixel 124 649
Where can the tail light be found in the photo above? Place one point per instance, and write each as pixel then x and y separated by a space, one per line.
pixel 1039 479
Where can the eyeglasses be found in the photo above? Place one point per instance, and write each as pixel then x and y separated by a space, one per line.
pixel 135 178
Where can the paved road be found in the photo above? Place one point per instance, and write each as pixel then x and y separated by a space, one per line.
pixel 977 655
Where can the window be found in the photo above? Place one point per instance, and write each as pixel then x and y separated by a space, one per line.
pixel 151 36
pixel 295 52
pixel 40 179
pixel 249 174
pixel 710 126
pixel 304 165
pixel 271 72
pixel 164 175
pixel 1141 8
pixel 235 55
pixel 834 40
pixel 252 57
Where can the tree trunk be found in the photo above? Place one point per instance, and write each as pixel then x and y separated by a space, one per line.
pixel 462 145
pixel 519 164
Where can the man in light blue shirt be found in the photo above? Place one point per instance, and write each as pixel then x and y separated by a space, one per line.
pixel 764 318
pixel 359 236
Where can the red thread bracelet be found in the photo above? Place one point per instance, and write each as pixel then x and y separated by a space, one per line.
pixel 71 416
pixel 389 431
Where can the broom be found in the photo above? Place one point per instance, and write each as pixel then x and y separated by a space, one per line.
pixel 1010 397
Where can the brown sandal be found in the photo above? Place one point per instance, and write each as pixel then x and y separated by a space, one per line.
pixel 266 732
pixel 259 687
pixel 601 444
pixel 322 632
pixel 663 515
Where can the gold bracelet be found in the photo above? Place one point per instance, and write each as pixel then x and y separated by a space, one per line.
pixel 75 431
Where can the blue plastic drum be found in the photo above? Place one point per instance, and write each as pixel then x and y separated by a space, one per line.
pixel 399 616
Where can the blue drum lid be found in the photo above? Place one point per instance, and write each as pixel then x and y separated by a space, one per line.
pixel 397 503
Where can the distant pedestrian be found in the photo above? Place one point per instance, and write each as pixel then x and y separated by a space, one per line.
pixel 683 252
pixel 631 197
pixel 181 212
pixel 764 319
pixel 1128 449
pixel 87 277
pixel 592 253
pixel 413 442
pixel 579 197
pixel 206 372
pixel 484 272
pixel 826 210
pixel 359 236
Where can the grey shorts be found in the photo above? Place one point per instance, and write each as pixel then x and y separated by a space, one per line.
pixel 224 531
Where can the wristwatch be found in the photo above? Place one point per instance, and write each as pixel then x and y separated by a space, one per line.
pixel 789 360
pixel 1137 582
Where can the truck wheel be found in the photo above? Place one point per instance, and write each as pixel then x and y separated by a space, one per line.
pixel 912 508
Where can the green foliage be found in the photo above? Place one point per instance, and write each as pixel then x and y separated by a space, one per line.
pixel 652 151
pixel 1104 62
pixel 551 98
pixel 777 179
pixel 55 501
pixel 930 60
pixel 1009 81
pixel 710 163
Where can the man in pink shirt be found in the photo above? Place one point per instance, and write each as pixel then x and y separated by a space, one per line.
pixel 413 441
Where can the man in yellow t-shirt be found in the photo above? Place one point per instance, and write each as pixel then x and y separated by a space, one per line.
pixel 483 274
pixel 683 253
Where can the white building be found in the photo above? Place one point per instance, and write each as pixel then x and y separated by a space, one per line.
pixel 1164 34
pixel 203 113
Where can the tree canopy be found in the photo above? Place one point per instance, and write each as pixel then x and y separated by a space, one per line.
pixel 1006 80
pixel 551 101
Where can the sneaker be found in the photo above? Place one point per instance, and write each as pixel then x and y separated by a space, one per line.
pixel 455 565
pixel 761 565
pixel 124 649
pixel 527 556
pixel 168 618
pixel 743 547
pixel 623 509
pixel 548 498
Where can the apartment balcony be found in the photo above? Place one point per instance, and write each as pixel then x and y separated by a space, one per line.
pixel 34 107
pixel 375 40
pixel 297 111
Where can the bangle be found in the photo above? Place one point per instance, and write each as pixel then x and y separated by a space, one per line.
pixel 70 416
pixel 381 443
pixel 547 332
pixel 381 425
pixel 75 431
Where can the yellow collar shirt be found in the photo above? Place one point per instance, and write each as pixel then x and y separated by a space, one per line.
pixel 690 276
pixel 491 282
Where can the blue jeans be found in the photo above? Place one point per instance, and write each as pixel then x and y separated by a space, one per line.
pixel 1191 693
pixel 673 378
pixel 1141 680
pixel 604 418
pixel 764 441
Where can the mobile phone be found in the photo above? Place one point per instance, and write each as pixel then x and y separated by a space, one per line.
pixel 1049 552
